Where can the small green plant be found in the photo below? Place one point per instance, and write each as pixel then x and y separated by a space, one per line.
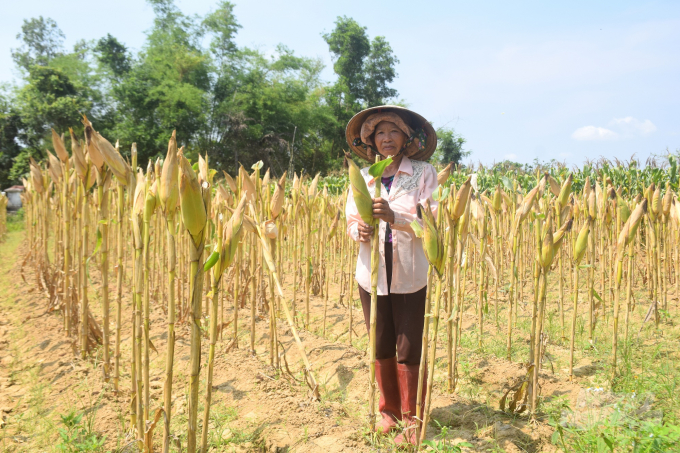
pixel 621 431
pixel 75 437
pixel 441 443
pixel 15 221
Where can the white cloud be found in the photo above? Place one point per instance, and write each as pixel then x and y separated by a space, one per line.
pixel 511 156
pixel 630 126
pixel 627 127
pixel 587 133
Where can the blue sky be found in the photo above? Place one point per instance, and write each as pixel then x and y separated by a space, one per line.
pixel 521 80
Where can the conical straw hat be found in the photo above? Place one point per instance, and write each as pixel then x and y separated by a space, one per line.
pixel 419 124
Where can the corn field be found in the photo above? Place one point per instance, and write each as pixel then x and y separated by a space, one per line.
pixel 218 252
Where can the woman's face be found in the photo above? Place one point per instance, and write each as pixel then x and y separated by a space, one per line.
pixel 388 138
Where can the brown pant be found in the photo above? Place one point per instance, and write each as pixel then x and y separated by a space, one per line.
pixel 399 320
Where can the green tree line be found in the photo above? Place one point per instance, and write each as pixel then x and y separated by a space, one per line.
pixel 233 103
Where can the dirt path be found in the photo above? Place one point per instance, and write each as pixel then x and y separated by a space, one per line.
pixel 254 407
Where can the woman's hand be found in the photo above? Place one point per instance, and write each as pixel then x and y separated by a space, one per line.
pixel 365 232
pixel 382 210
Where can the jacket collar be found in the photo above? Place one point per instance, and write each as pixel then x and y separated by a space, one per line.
pixel 405 166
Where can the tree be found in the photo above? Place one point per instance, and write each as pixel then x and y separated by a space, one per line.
pixel 235 104
pixel 380 71
pixel 364 69
pixel 114 55
pixel 350 46
pixel 450 147
pixel 10 137
pixel 166 87
pixel 42 41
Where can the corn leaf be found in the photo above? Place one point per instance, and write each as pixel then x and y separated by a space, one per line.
pixel 211 261
pixel 377 169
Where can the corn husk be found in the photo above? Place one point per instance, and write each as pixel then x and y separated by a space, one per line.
pixel 565 190
pixel 547 247
pixel 191 200
pixel 230 182
pixel 222 197
pixel 168 190
pixel 78 156
pixel 656 202
pixel 151 201
pixel 581 242
pixel 231 235
pixel 559 235
pixel 433 244
pixel 203 173
pixel 362 198
pixel 36 176
pixel 247 184
pixel 334 226
pixel 667 200
pixel 497 200
pixel 278 197
pixel 443 175
pixel 92 148
pixel 462 198
pixel 623 207
pixel 112 157
pixel 554 185
pixel 269 229
pixel 525 207
pixel 59 147
pixel 54 167
pixel 629 229
pixel 592 204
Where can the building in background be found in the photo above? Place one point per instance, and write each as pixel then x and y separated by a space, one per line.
pixel 14 197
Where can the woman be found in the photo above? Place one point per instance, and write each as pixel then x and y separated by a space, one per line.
pixel 410 140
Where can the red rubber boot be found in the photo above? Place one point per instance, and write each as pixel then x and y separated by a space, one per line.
pixel 389 403
pixel 408 387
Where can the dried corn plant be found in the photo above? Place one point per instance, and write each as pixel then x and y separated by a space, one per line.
pixel 180 234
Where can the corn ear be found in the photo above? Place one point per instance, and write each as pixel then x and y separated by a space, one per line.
pixel 311 192
pixel 656 202
pixel 36 176
pixel 231 235
pixel 54 166
pixel 151 201
pixel 462 198
pixel 592 204
pixel 191 200
pixel 443 175
pixel 622 206
pixel 554 185
pixel 59 147
pixel 95 155
pixel 547 247
pixel 667 199
pixel 565 190
pixel 524 208
pixel 247 184
pixel 278 197
pixel 497 200
pixel 559 235
pixel 581 242
pixel 433 245
pixel 362 197
pixel 169 178
pixel 629 229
